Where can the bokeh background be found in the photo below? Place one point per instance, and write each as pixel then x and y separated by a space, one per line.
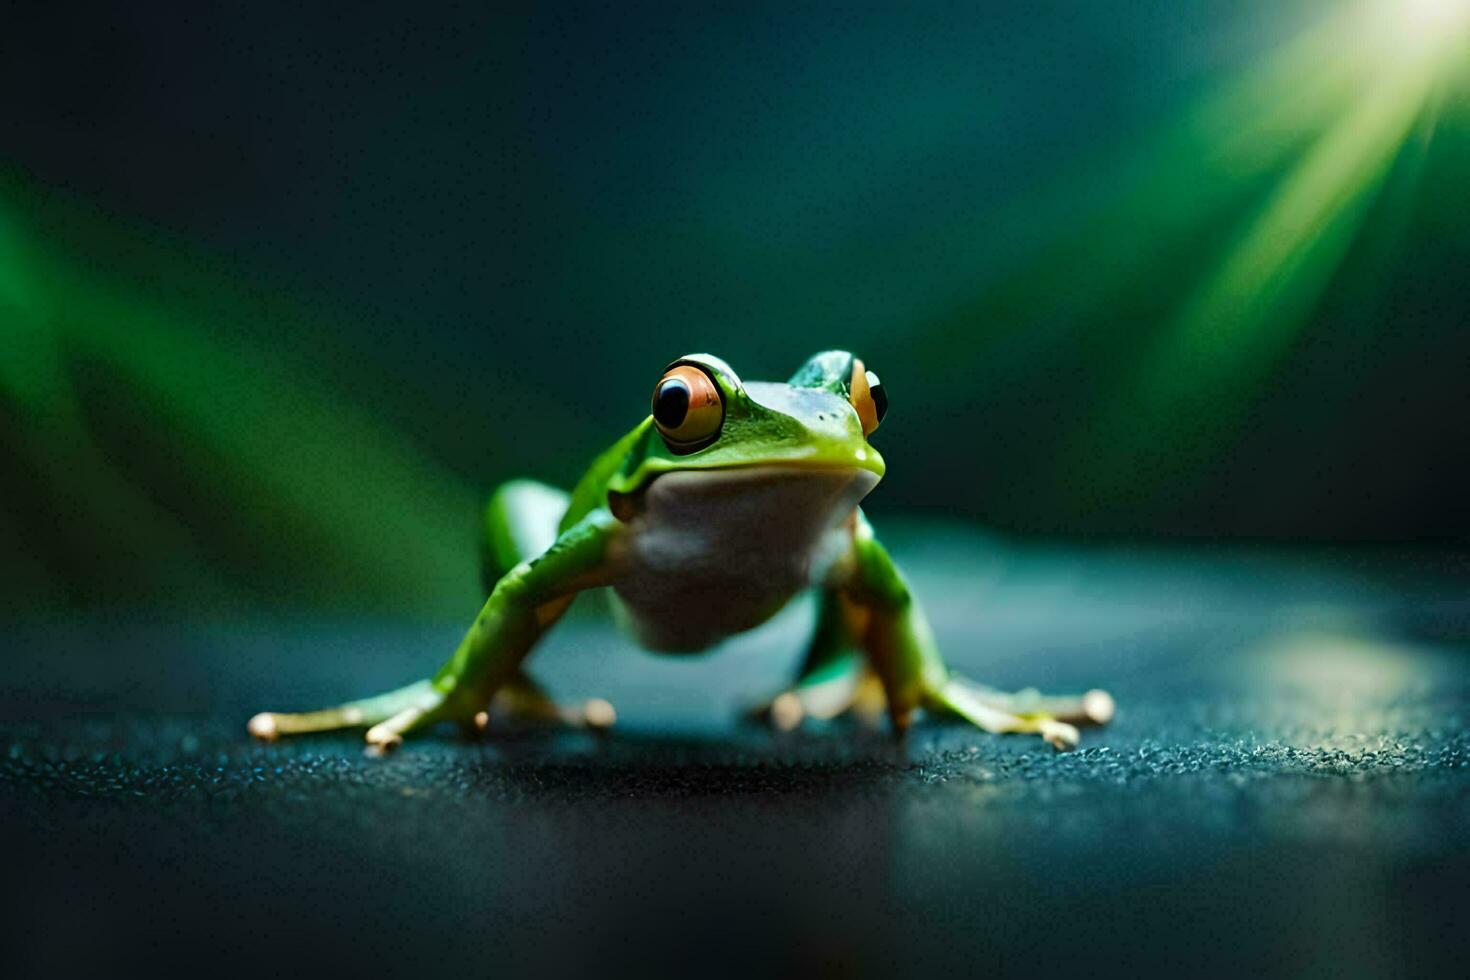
pixel 1171 300
pixel 284 293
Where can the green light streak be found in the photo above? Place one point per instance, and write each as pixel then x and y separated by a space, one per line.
pixel 1201 372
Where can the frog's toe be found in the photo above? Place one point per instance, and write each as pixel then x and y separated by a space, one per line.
pixel 523 704
pixel 598 714
pixel 783 713
pixel 387 735
pixel 264 727
pixel 1059 735
pixel 380 744
pixel 1098 707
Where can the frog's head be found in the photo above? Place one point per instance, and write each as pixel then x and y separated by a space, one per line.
pixel 704 418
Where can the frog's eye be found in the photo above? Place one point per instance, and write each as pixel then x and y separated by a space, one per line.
pixel 687 408
pixel 867 396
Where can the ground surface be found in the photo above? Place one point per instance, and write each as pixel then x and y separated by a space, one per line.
pixel 1286 791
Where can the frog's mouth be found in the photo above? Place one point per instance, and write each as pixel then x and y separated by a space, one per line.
pixel 772 492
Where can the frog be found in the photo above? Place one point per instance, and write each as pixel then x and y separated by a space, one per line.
pixel 724 504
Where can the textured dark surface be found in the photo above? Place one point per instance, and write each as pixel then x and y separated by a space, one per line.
pixel 1286 791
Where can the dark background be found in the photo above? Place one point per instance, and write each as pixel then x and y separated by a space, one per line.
pixel 1170 300
pixel 282 277
pixel 1284 793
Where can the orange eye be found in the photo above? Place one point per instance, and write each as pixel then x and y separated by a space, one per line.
pixel 687 408
pixel 867 396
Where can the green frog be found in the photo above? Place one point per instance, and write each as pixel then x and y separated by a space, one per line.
pixel 730 499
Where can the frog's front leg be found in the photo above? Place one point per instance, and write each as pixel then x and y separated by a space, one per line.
pixel 526 599
pixel 875 611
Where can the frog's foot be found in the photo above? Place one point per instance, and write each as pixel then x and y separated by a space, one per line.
pixel 522 703
pixel 847 687
pixel 1055 719
pixel 388 717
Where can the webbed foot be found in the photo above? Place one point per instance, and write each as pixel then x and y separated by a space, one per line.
pixel 1055 719
pixel 522 703
pixel 387 717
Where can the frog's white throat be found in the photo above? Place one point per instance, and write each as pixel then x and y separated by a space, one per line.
pixel 715 552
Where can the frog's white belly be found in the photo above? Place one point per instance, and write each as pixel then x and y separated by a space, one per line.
pixel 717 552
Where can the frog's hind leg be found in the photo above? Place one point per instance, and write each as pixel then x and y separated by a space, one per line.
pixel 520 521
pixel 834 679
